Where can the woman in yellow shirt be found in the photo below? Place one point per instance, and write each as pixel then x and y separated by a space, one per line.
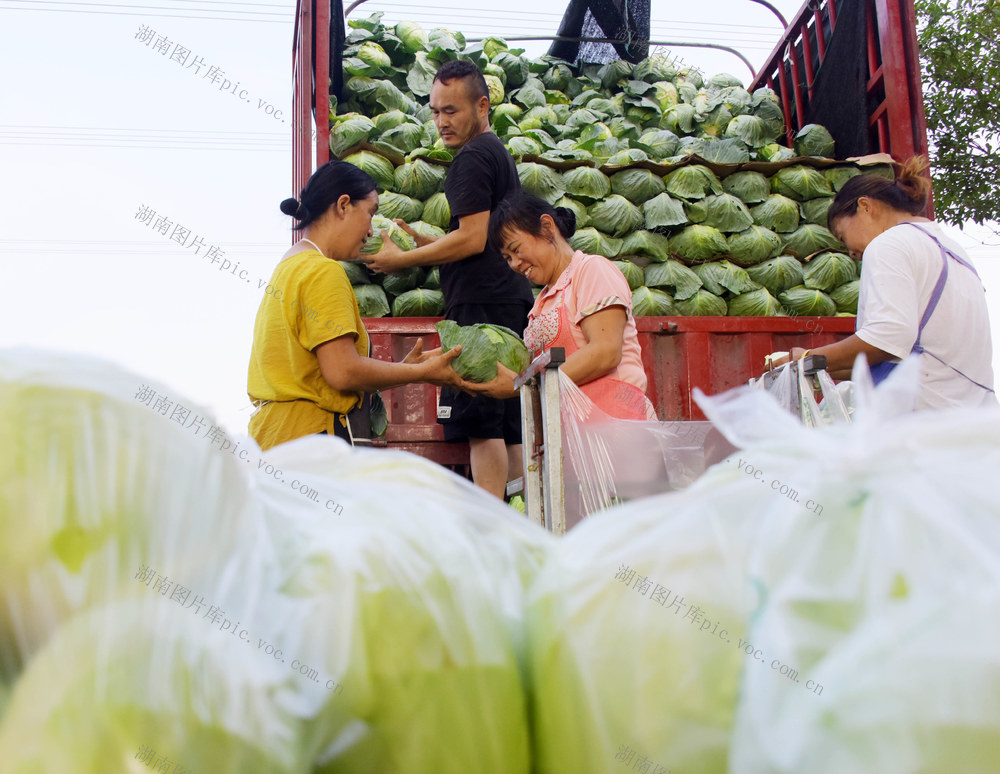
pixel 310 364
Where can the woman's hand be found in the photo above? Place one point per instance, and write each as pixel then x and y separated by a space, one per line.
pixel 390 258
pixel 500 387
pixel 422 240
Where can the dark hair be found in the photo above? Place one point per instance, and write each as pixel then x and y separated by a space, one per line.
pixel 326 185
pixel 907 192
pixel 475 83
pixel 524 212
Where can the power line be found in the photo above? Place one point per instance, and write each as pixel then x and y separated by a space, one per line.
pixel 35 7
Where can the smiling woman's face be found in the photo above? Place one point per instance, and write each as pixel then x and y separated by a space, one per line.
pixel 534 257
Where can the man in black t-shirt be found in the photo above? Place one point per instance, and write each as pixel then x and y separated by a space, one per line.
pixel 478 285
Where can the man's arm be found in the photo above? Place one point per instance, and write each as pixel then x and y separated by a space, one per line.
pixel 840 356
pixel 468 239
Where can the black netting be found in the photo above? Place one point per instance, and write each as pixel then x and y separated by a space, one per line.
pixel 337 33
pixel 625 20
pixel 841 84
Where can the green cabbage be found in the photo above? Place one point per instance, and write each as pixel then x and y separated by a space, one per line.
pixel 702 304
pixel 593 242
pixel 375 57
pixel 801 183
pixel 774 153
pixel 662 142
pixel 674 275
pixel 714 124
pixel 697 244
pixel 814 140
pixel 778 213
pixel 846 297
pixel 633 274
pixel 726 213
pixel 616 215
pixel 646 244
pixel 736 98
pixel 723 80
pixel 428 230
pixel 829 270
pixel 542 181
pixel 578 208
pixel 348 130
pixel 514 66
pixel 433 279
pixel 756 303
pixel 390 120
pixel 523 146
pixel 752 246
pixel 378 167
pixel 483 346
pixel 357 272
pixel 419 302
pixel 754 131
pixel 372 301
pixel 811 303
pixel 693 181
pixel 663 212
pixel 437 212
pixel 750 187
pixel 418 179
pixel 718 277
pixel 808 239
pixel 494 46
pixel 393 205
pixel 637 185
pixel 679 119
pixel 413 36
pixel 726 151
pixel 837 176
pixel 406 137
pixel 398 282
pixel 777 274
pixel 815 210
pixel 495 88
pixel 587 184
pixel 445 44
pixel 379 224
pixel 648 302
pixel 420 75
pixel 625 157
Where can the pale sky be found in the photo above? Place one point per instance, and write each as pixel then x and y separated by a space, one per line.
pixel 97 125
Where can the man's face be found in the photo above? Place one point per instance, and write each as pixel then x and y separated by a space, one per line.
pixel 457 116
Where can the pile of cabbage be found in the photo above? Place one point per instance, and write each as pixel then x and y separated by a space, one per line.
pixel 679 179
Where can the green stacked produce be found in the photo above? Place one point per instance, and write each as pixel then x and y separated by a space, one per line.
pixel 658 164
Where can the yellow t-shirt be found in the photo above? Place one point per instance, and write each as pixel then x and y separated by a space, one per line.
pixel 309 301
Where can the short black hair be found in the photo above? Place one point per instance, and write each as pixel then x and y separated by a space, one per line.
pixel 524 211
pixel 325 187
pixel 475 83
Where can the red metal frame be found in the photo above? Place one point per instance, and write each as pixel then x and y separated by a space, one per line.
pixel 897 121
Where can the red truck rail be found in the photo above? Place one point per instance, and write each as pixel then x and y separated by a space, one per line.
pixel 896 121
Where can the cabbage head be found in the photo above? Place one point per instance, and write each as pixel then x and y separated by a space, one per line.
pixel 616 215
pixel 632 273
pixel 625 156
pixel 483 346
pixel 357 272
pixel 756 303
pixel 750 187
pixel 390 120
pixel 649 302
pixel 419 302
pixel 433 279
pixel 753 246
pixel 542 181
pixel 663 212
pixel 419 179
pixel 697 244
pixel 520 145
pixel 674 275
pixel 578 209
pixel 514 66
pixel 702 304
pixel 724 80
pixel 420 75
pixel 413 36
pixel 495 87
pixel 773 152
pixel 727 151
pixel 800 183
pixel 591 241
pixel 372 301
pixel 379 168
pixel 778 213
pixel 662 142
pixel 837 176
pixel 814 140
pixel 754 131
pixel 718 277
pixel 406 137
pixel 348 130
pixel 426 229
pixel 379 224
pixel 801 300
pixel 393 205
pixel 846 297
pixel 777 274
pixel 829 270
pixel 398 282
pixel 815 210
pixel 637 185
pixel 693 181
pixel 646 244
pixel 586 184
pixel 437 212
pixel 726 213
pixel 808 239
pixel 679 119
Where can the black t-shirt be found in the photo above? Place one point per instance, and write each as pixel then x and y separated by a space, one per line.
pixel 481 175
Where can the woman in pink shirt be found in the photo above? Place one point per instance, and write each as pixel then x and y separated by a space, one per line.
pixel 585 307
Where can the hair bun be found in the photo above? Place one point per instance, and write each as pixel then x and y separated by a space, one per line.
pixel 290 206
pixel 566 221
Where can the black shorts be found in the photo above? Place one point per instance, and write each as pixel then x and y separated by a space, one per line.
pixel 467 416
